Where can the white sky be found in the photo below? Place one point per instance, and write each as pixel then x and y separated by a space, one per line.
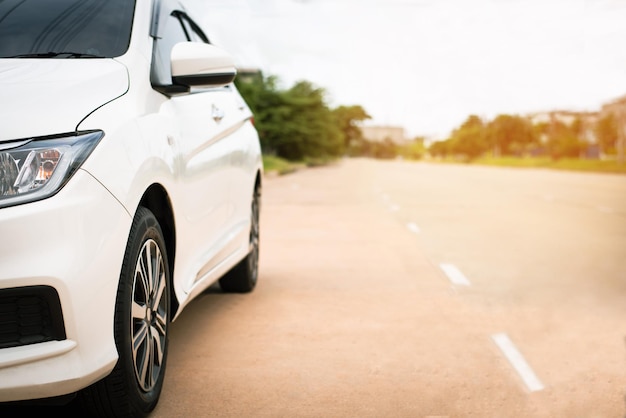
pixel 428 64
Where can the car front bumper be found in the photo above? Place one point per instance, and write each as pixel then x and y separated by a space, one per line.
pixel 72 242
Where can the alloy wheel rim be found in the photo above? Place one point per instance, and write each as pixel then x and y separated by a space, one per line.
pixel 149 315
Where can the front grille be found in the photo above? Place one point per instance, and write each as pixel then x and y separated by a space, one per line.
pixel 30 315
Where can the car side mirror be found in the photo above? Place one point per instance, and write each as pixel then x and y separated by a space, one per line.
pixel 201 65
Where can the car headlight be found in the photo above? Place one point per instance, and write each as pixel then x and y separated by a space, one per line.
pixel 37 168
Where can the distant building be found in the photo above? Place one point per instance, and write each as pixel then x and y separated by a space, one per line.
pixel 564 116
pixel 381 133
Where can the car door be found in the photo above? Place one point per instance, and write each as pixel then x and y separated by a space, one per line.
pixel 205 120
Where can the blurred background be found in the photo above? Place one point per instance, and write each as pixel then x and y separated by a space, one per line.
pixel 417 279
pixel 425 69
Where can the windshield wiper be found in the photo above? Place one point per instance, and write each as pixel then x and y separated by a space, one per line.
pixel 52 54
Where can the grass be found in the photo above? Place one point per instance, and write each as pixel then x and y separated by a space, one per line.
pixel 572 164
pixel 280 166
pixel 277 165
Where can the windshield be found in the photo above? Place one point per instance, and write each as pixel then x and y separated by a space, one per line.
pixel 65 28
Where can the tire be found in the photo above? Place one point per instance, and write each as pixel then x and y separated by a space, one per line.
pixel 244 276
pixel 141 325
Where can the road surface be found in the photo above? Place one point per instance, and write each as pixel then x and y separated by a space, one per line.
pixel 418 290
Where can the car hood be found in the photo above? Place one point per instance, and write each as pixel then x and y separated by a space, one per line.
pixel 51 96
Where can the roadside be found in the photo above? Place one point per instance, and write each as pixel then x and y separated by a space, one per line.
pixel 568 164
pixel 276 166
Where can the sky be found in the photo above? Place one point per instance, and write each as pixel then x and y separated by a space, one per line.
pixel 426 65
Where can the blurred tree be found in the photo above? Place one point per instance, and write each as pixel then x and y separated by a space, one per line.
pixel 470 138
pixel 308 127
pixel 577 127
pixel 510 135
pixel 563 140
pixel 385 149
pixel 606 131
pixel 541 131
pixel 413 150
pixel 348 119
pixel 265 101
pixel 293 124
pixel 440 149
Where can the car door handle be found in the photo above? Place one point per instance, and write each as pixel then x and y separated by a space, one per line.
pixel 217 114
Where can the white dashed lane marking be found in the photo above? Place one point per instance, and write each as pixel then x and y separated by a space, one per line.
pixel 518 362
pixel 454 274
pixel 413 227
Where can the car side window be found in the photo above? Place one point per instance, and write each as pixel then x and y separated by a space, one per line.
pixel 194 33
pixel 171 32
pixel 173 26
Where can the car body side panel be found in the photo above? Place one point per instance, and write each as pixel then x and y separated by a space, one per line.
pixel 197 159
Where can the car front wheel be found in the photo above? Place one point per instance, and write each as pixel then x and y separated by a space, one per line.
pixel 142 317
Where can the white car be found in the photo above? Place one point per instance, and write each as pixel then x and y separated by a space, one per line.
pixel 130 181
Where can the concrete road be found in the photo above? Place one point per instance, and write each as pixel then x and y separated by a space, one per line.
pixel 418 290
pixel 396 289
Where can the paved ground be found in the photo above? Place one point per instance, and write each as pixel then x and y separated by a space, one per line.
pixel 354 315
pixel 394 289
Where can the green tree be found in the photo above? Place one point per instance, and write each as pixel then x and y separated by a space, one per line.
pixel 265 101
pixel 413 150
pixel 348 120
pixel 563 140
pixel 440 149
pixel 541 130
pixel 295 123
pixel 307 127
pixel 510 135
pixel 470 138
pixel 607 133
